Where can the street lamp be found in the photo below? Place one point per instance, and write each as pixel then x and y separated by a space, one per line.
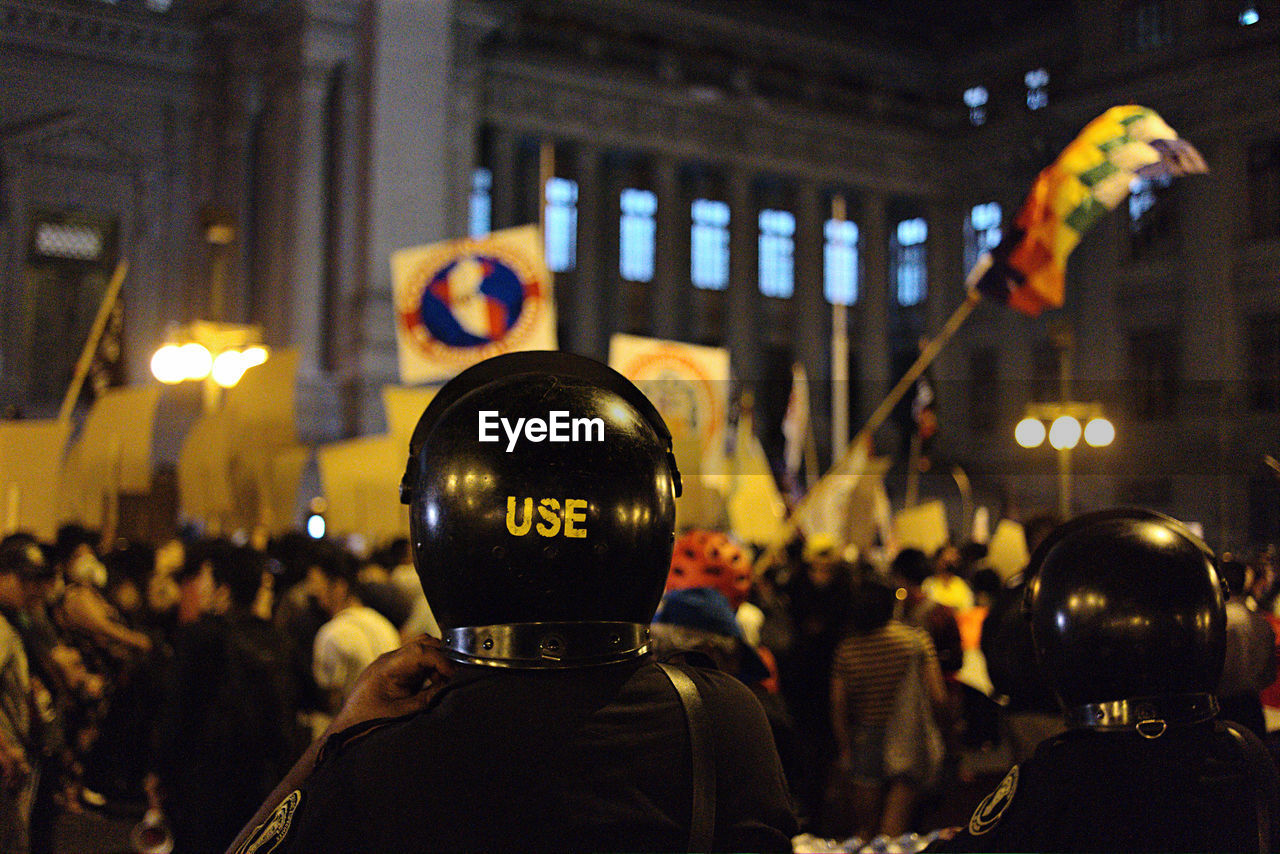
pixel 216 353
pixel 1064 432
pixel 211 351
pixel 1064 419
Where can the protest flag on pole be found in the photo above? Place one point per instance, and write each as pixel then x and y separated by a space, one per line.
pixel 1091 176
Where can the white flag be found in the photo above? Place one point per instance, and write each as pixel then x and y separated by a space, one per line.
pixel 795 423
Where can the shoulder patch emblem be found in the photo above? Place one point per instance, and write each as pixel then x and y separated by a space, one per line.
pixel 988 813
pixel 267 836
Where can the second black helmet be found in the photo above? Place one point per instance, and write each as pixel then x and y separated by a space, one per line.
pixel 1126 604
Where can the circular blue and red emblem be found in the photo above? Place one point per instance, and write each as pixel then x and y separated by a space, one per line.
pixel 471 302
pixel 463 306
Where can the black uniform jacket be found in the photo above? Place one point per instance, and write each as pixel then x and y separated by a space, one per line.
pixel 592 759
pixel 1206 787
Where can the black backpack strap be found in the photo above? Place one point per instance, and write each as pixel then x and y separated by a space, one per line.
pixel 702 819
pixel 1266 784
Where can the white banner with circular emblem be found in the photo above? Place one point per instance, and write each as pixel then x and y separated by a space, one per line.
pixel 460 302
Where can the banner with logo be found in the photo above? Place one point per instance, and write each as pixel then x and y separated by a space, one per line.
pixel 462 301
pixel 689 385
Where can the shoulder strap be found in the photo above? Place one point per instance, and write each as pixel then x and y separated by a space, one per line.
pixel 702 820
pixel 1266 797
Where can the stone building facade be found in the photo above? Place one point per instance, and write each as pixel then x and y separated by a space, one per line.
pixel 333 132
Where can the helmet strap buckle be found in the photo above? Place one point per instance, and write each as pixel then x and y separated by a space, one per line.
pixel 1150 717
pixel 1151 728
pixel 547 646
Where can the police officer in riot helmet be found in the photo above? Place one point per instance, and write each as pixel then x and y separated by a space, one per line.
pixel 1127 615
pixel 541 489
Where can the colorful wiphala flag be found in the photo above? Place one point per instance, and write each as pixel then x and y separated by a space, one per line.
pixel 1091 176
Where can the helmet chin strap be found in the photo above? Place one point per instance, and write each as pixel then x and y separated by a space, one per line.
pixel 547 646
pixel 1150 717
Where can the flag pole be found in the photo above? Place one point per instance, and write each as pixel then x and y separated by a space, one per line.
pixel 546 171
pixel 839 360
pixel 95 335
pixel 852 463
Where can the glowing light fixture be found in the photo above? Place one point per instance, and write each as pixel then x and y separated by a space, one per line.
pixel 253 356
pixel 166 364
pixel 228 367
pixel 1029 433
pixel 1099 433
pixel 1064 433
pixel 197 361
pixel 207 350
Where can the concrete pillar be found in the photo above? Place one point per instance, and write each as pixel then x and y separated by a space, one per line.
pixel 872 330
pixel 1214 341
pixel 812 314
pixel 505 185
pixel 743 302
pixel 587 332
pixel 671 250
pixel 945 258
pixel 408 135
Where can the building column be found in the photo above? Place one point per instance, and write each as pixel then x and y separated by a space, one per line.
pixel 671 249
pixel 811 312
pixel 944 258
pixel 587 334
pixel 407 79
pixel 305 264
pixel 502 193
pixel 1214 339
pixel 743 304
pixel 873 327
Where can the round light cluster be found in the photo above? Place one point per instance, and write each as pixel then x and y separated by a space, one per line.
pixel 174 363
pixel 1064 433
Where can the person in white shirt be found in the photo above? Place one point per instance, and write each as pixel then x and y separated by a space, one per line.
pixel 354 636
pixel 944 586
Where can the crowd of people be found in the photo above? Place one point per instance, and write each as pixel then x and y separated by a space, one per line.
pixel 187 678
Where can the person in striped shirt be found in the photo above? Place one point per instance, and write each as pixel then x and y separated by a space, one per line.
pixel 869 666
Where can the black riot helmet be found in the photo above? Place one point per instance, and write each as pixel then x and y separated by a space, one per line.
pixel 542 491
pixel 1128 617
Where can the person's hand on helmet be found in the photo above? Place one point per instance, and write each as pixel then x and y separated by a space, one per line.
pixel 397 683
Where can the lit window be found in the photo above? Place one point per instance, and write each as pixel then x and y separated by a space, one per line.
pixel 709 254
pixel 1249 16
pixel 562 224
pixel 975 98
pixel 1148 24
pixel 636 235
pixel 1037 82
pixel 777 246
pixel 1152 216
pixel 906 248
pixel 840 274
pixel 480 222
pixel 75 242
pixel 1143 195
pixel 981 232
